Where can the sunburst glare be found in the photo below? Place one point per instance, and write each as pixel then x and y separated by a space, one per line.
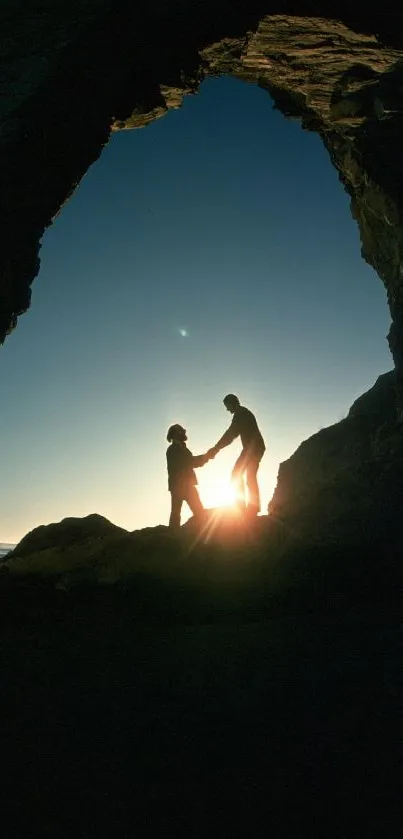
pixel 219 492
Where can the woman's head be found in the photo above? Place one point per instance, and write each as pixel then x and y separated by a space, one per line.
pixel 176 432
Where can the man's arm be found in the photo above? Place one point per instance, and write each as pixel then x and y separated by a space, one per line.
pixel 229 435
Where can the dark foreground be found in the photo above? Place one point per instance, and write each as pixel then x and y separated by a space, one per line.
pixel 285 728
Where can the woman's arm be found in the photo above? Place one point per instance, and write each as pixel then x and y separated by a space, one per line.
pixel 199 460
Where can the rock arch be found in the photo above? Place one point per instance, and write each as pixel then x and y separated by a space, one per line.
pixel 75 72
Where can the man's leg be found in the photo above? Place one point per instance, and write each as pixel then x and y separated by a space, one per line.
pixel 193 500
pixel 176 507
pixel 238 482
pixel 253 486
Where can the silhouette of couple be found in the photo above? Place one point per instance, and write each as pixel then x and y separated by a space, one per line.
pixel 182 481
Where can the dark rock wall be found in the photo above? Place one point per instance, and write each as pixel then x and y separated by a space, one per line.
pixel 75 71
pixel 345 483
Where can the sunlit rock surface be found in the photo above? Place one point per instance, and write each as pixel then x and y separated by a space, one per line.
pixel 92 551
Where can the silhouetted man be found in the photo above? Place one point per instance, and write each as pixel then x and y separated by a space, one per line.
pixel 253 448
pixel 181 476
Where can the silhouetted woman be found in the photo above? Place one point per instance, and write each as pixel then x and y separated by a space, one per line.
pixel 182 480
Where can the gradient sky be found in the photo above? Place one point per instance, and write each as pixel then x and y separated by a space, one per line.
pixel 222 219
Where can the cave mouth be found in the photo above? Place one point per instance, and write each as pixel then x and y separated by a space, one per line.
pixel 71 79
pixel 341 76
pixel 219 251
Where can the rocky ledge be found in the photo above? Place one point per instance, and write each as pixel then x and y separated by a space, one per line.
pixel 333 529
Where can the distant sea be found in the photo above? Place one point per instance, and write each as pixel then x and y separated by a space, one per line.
pixel 5 549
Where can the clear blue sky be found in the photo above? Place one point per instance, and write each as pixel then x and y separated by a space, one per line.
pixel 222 219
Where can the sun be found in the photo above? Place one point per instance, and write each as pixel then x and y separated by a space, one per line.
pixel 218 492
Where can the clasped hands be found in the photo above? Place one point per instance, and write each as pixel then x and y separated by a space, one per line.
pixel 210 454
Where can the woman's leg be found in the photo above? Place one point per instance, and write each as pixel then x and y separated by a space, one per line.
pixel 176 507
pixel 193 500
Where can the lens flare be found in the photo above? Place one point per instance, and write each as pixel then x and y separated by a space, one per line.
pixel 218 492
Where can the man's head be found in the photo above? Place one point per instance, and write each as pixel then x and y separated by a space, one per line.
pixel 176 432
pixel 231 402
